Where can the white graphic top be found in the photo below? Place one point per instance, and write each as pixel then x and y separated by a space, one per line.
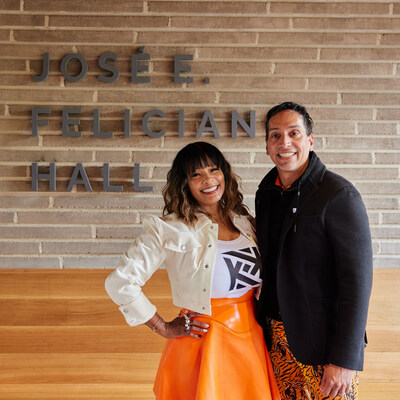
pixel 237 268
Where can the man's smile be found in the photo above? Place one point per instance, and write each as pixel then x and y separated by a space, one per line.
pixel 286 155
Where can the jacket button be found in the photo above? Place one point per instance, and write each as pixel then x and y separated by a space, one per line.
pixel 210 245
pixel 204 290
pixel 183 247
pixel 206 266
pixel 212 227
pixel 203 308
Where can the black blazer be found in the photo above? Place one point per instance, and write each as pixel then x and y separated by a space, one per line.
pixel 324 268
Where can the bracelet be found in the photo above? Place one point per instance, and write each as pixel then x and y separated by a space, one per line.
pixel 162 323
pixel 155 328
pixel 155 325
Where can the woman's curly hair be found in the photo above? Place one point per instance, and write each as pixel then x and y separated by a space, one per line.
pixel 177 196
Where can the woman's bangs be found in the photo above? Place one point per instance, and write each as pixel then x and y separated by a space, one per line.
pixel 202 160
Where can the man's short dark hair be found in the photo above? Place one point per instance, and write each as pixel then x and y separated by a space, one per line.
pixel 288 105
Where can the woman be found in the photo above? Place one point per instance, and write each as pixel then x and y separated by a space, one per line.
pixel 215 349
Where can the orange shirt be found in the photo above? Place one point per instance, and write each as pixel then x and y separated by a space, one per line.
pixel 279 183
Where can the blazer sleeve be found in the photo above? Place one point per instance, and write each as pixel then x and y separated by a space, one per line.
pixel 138 264
pixel 349 235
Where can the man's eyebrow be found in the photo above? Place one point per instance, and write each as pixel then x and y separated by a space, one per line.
pixel 290 127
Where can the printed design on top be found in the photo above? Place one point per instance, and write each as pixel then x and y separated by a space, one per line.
pixel 244 266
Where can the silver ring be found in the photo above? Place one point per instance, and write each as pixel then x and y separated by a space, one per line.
pixel 187 323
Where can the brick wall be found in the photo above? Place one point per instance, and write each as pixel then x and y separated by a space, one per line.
pixel 341 59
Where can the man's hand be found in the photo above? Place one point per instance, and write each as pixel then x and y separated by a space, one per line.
pixel 336 381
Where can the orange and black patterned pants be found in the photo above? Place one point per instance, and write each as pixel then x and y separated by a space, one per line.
pixel 297 381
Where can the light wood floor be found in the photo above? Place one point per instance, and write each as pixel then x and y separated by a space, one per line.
pixel 61 338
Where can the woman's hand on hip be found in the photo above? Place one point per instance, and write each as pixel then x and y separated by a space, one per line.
pixel 184 325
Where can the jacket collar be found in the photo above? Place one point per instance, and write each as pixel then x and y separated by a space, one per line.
pixel 203 220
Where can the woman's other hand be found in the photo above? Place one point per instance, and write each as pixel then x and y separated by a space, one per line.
pixel 185 325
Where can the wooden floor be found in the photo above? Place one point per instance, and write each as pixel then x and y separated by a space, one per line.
pixel 61 338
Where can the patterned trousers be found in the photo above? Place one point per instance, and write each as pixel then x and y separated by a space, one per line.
pixel 297 381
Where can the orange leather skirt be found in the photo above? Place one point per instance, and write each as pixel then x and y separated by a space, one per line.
pixel 229 362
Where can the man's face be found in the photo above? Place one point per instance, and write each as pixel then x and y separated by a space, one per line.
pixel 288 144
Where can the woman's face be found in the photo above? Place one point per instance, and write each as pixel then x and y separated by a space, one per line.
pixel 207 185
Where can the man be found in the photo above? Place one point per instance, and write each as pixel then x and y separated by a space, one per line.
pixel 316 251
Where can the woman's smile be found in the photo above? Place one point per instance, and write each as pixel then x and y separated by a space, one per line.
pixel 210 190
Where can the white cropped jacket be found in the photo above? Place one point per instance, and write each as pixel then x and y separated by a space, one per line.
pixel 188 254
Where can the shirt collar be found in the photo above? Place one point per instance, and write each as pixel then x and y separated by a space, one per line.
pixel 279 183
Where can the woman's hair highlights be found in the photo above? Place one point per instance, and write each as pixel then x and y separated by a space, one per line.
pixel 177 196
